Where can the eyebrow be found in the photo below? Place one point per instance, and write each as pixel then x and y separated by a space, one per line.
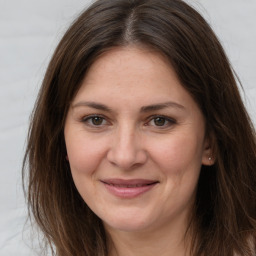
pixel 91 104
pixel 148 108
pixel 160 106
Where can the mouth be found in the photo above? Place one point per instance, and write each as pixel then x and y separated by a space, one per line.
pixel 128 188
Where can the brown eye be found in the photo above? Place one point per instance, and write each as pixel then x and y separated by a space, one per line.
pixel 97 120
pixel 160 121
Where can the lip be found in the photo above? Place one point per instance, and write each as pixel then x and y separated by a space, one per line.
pixel 128 188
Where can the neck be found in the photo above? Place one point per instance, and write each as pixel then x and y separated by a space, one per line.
pixel 170 240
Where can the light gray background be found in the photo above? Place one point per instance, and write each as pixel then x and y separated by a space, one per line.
pixel 29 32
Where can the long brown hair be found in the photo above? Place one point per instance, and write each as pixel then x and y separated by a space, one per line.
pixel 224 221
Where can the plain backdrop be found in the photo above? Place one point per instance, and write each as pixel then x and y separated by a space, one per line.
pixel 29 32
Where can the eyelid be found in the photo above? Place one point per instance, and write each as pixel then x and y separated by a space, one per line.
pixel 85 120
pixel 171 121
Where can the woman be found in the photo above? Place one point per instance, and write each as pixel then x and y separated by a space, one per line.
pixel 139 142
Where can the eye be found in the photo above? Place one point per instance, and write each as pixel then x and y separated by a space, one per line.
pixel 161 122
pixel 95 120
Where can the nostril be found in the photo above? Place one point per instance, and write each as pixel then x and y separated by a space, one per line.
pixel 126 151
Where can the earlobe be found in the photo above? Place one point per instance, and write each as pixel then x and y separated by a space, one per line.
pixel 208 154
pixel 208 158
pixel 208 161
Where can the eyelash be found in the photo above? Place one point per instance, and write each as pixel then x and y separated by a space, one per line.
pixel 168 122
pixel 89 119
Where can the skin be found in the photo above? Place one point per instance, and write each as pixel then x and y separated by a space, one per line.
pixel 130 139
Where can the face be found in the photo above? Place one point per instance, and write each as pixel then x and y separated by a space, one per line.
pixel 135 141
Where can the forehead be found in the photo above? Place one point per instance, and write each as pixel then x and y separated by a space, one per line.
pixel 127 79
pixel 129 68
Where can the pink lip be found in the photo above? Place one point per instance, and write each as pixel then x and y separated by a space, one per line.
pixel 128 188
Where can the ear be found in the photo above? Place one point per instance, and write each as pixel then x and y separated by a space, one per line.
pixel 208 157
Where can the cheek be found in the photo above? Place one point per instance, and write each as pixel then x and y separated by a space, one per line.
pixel 178 153
pixel 84 155
pixel 179 160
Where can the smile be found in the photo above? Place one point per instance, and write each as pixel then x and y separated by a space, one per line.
pixel 128 188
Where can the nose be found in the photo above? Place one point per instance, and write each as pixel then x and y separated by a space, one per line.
pixel 126 149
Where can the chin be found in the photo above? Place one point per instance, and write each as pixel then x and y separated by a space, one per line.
pixel 127 226
pixel 129 222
